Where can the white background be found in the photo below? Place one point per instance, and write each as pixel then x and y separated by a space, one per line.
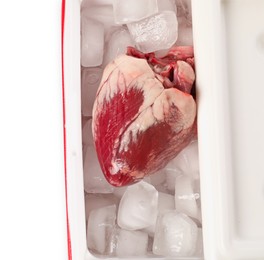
pixel 32 198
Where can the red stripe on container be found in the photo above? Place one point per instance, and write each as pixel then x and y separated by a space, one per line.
pixel 64 128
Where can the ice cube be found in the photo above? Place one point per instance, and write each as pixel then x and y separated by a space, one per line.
pixel 186 162
pixel 167 5
pixel 91 78
pixel 138 207
pixel 185 37
pixel 186 198
pixel 84 150
pixel 175 235
pixel 162 188
pixel 100 227
pixel 85 119
pixel 199 244
pixel 192 159
pixel 154 33
pixel 150 245
pixel 89 3
pixel 184 14
pixel 184 9
pixel 161 53
pixel 172 172
pixel 165 202
pixel 126 243
pixel 87 137
pixel 95 201
pixel 133 10
pixel 119 191
pixel 103 14
pixel 185 33
pixel 92 42
pixel 118 43
pixel 196 190
pixel 94 180
pixel 158 180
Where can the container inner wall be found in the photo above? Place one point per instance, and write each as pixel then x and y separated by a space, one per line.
pixel 245 52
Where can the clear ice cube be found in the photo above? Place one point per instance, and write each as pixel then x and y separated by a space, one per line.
pixel 192 159
pixel 89 3
pixel 185 33
pixel 165 202
pixel 133 10
pixel 158 179
pixel 91 78
pixel 87 137
pixel 94 180
pixel 186 198
pixel 186 162
pixel 167 5
pixel 100 227
pixel 199 244
pixel 172 172
pixel 154 33
pixel 184 9
pixel 100 13
pixel 92 42
pixel 175 235
pixel 95 201
pixel 138 207
pixel 117 44
pixel 127 243
pixel 119 191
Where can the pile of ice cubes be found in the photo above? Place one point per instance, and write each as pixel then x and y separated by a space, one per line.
pixel 108 27
pixel 160 215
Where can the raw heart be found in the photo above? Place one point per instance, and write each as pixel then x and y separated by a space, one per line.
pixel 142 117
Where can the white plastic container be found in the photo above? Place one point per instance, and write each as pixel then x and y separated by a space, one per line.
pixel 229 53
pixel 228 36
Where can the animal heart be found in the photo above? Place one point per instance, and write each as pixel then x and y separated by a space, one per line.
pixel 143 114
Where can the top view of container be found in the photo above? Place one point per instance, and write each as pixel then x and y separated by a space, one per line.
pixel 201 193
